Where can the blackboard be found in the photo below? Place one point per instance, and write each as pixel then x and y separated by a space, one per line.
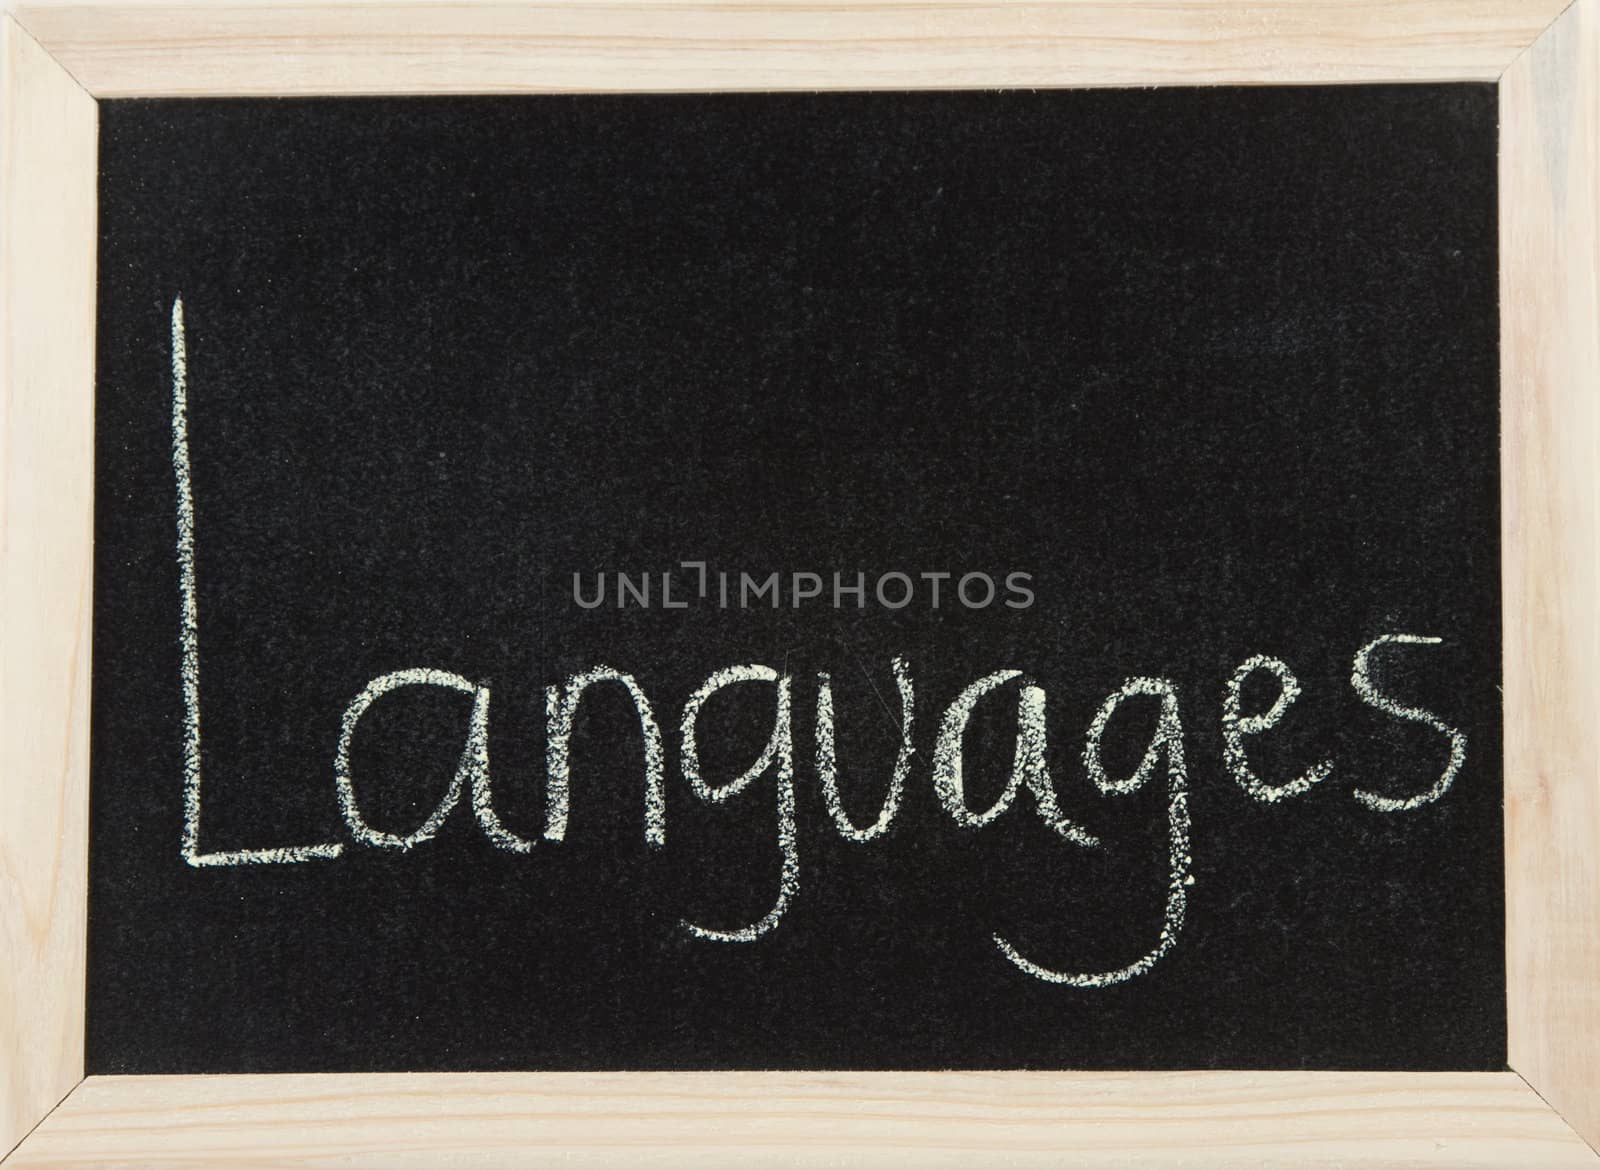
pixel 1141 445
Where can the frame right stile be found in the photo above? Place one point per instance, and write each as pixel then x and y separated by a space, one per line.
pixel 1550 522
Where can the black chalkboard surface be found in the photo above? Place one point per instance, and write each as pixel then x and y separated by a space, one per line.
pixel 526 528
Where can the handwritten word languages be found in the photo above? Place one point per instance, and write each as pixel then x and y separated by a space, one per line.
pixel 472 779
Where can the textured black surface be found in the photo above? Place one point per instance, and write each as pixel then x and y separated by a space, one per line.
pixel 1216 367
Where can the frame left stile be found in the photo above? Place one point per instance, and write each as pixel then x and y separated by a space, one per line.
pixel 48 152
pixel 57 57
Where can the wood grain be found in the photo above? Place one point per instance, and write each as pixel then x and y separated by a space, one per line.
pixel 48 142
pixel 725 1121
pixel 1550 402
pixel 140 48
pixel 1551 370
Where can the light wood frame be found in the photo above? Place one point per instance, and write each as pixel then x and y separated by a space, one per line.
pixel 56 59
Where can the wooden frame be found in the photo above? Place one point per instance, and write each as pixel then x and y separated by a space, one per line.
pixel 56 59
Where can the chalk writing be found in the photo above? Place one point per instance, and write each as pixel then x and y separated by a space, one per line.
pixel 1236 727
pixel 1361 679
pixel 189 637
pixel 1029 768
pixel 827 764
pixel 1167 741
